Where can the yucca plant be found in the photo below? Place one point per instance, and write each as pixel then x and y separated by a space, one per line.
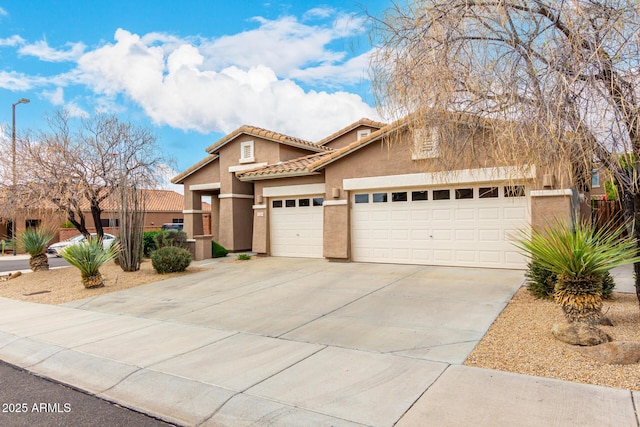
pixel 34 241
pixel 88 257
pixel 580 257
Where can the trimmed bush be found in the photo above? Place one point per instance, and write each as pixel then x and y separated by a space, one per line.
pixel 217 250
pixel 607 285
pixel 170 259
pixel 541 281
pixel 171 238
pixel 149 242
pixel 244 257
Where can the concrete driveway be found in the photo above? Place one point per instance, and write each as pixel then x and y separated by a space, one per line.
pixel 277 341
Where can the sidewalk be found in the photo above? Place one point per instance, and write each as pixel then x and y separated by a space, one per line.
pixel 191 374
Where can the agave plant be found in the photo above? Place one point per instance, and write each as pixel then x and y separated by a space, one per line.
pixel 34 241
pixel 88 257
pixel 580 257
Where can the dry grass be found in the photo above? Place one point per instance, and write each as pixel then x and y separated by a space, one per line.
pixel 64 284
pixel 520 341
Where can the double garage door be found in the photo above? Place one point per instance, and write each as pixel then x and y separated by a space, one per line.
pixel 453 226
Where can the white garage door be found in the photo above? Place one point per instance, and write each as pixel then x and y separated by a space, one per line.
pixel 454 226
pixel 296 226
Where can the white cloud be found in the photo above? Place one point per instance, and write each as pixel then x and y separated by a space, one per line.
pixel 318 12
pixel 16 81
pixel 166 173
pixel 74 110
pixel 12 41
pixel 352 71
pixel 56 97
pixel 44 52
pixel 178 91
pixel 3 12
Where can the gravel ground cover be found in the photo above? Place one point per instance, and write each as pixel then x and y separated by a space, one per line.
pixel 520 341
pixel 60 285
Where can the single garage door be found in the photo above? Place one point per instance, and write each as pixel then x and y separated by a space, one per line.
pixel 453 226
pixel 296 226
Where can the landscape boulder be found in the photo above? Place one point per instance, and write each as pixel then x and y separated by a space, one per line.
pixel 613 353
pixel 578 333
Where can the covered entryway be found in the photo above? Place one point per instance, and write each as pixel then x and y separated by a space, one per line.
pixel 296 226
pixel 452 226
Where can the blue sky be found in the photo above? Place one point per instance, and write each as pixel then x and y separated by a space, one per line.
pixel 191 70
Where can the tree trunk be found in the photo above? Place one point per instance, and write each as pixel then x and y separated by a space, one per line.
pixel 91 282
pixel 39 262
pixel 580 298
pixel 631 205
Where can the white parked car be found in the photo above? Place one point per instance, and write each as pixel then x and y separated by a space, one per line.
pixel 56 248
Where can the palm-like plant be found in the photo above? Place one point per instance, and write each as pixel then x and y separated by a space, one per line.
pixel 88 257
pixel 579 256
pixel 34 241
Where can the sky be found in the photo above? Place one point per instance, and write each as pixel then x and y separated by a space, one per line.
pixel 190 70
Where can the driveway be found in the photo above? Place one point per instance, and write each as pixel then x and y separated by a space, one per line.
pixel 288 342
pixel 427 313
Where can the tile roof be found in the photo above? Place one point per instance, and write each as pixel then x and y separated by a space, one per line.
pixel 156 201
pixel 311 164
pixel 266 134
pixel 288 168
pixel 178 178
pixel 361 122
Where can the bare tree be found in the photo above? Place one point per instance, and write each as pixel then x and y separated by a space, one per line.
pixel 554 80
pixel 77 169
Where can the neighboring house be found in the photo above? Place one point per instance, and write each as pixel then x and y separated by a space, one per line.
pixel 162 206
pixel 353 197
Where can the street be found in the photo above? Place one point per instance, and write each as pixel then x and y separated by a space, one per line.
pixel 28 400
pixel 9 264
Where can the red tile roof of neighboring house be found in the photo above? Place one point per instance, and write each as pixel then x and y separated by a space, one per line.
pixel 269 135
pixel 352 126
pixel 156 201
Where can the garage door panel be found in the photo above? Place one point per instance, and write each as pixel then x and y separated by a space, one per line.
pixel 463 232
pixel 296 231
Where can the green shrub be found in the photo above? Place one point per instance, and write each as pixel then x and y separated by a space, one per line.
pixel 607 285
pixel 34 241
pixel 170 259
pixel 175 238
pixel 244 257
pixel 541 282
pixel 217 250
pixel 67 224
pixel 88 257
pixel 149 242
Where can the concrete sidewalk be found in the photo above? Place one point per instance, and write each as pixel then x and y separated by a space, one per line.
pixel 291 342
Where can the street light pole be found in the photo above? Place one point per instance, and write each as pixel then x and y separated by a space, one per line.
pixel 13 166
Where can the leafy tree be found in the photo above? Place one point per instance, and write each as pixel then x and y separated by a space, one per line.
pixel 555 81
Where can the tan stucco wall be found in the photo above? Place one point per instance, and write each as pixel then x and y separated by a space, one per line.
pixel 546 210
pixel 337 232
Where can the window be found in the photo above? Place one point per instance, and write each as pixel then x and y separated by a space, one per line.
pixel 318 201
pixel 291 203
pixel 379 197
pixel 303 202
pixel 399 197
pixel 425 144
pixel 32 223
pixel 177 221
pixel 595 178
pixel 276 204
pixel 514 191
pixel 363 133
pixel 488 192
pixel 441 194
pixel 419 195
pixel 464 193
pixel 246 152
pixel 110 222
pixel 362 198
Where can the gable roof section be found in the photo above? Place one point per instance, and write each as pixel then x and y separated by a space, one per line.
pixel 202 163
pixel 268 135
pixel 349 128
pixel 311 164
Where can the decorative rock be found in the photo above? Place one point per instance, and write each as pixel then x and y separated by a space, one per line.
pixel 578 333
pixel 613 353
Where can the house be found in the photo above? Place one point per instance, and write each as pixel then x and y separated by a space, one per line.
pixel 354 197
pixel 162 206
